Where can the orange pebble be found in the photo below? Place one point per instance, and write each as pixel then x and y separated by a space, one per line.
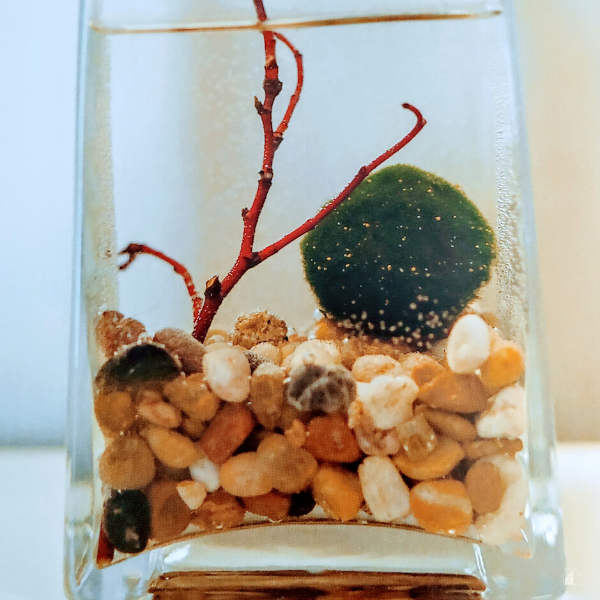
pixel 245 475
pixel 273 505
pixel 170 514
pixel 220 510
pixel 330 439
pixel 442 506
pixel 455 393
pixel 504 366
pixel 325 329
pixel 338 492
pixel 485 486
pixel 226 432
pixel 420 367
pixel 438 463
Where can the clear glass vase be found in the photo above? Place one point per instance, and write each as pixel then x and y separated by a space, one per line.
pixel 327 379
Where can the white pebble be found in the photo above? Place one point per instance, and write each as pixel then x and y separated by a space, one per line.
pixel 319 352
pixel 206 472
pixel 385 492
pixel 192 493
pixel 388 400
pixel 367 367
pixel 268 351
pixel 227 372
pixel 468 344
pixel 505 417
pixel 508 521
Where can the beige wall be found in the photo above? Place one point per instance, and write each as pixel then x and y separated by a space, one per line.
pixel 560 63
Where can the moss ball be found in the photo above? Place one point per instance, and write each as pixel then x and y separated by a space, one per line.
pixel 401 257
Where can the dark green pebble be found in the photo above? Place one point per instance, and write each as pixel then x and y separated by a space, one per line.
pixel 126 520
pixel 139 364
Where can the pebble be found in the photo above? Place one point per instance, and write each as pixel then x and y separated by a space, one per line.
pixel 468 344
pixel 113 331
pixel 330 439
pixel 388 400
pixel 126 521
pixel 417 438
pixel 192 492
pixel 301 503
pixel 372 441
pixel 485 486
pixel 455 393
pixel 420 367
pixel 191 395
pixel 328 388
pixel 480 448
pixel 438 463
pixel 256 327
pixel 326 329
pixel 114 412
pixel 338 492
pixel 273 505
pixel 171 448
pixel 137 365
pixel 192 428
pixel 505 365
pixel 206 472
pixel 127 463
pixel 246 475
pixel 153 409
pixel 313 352
pixel 267 394
pixel 296 433
pixel 186 347
pixel 170 515
pixel 384 490
pixel 291 469
pixel 365 368
pixel 227 432
pixel 254 360
pixel 442 506
pixel 267 351
pixel 505 417
pixel 506 523
pixel 220 510
pixel 217 335
pixel 452 425
pixel 227 372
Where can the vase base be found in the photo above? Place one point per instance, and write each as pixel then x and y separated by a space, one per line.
pixel 300 585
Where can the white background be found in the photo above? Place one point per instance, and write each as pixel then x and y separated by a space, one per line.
pixel 38 49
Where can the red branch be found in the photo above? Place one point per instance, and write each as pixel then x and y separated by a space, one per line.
pixel 358 178
pixel 135 249
pixel 216 291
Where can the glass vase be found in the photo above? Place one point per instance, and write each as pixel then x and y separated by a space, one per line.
pixel 307 348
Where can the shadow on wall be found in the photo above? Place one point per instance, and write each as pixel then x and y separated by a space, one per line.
pixel 560 58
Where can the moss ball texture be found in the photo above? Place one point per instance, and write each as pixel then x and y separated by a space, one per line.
pixel 402 256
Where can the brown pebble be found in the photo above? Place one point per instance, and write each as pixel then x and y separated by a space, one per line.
pixel 291 469
pixel 417 438
pixel 438 463
pixel 226 432
pixel 455 393
pixel 170 515
pixel 274 505
pixel 296 433
pixel 454 426
pixel 289 414
pixel 267 394
pixel 192 396
pixel 485 487
pixel 186 347
pixel 480 448
pixel 152 408
pixel 113 331
pixel 114 412
pixel 338 492
pixel 330 439
pixel 220 510
pixel 171 448
pixel 127 463
pixel 192 428
pixel 254 328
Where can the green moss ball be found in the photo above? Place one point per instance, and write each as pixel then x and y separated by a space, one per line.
pixel 401 257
